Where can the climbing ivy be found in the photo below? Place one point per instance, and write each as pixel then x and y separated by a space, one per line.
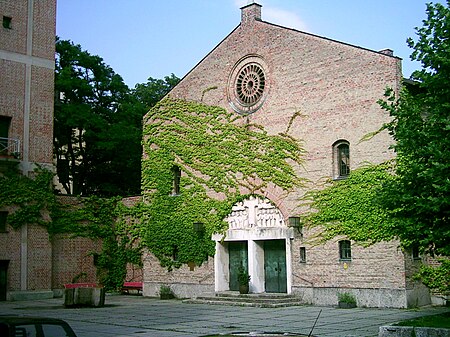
pixel 116 227
pixel 223 157
pixel 33 201
pixel 224 160
pixel 29 198
pixel 436 277
pixel 353 207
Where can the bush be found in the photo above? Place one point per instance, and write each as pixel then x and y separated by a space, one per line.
pixel 347 298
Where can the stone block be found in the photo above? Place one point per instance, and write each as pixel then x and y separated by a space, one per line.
pixel 84 297
pixel 408 331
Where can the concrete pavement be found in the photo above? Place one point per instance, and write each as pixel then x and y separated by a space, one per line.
pixel 140 316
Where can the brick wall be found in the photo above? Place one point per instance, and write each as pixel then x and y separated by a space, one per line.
pixel 44 29
pixel 39 261
pixel 14 39
pixel 12 103
pixel 71 258
pixel 18 50
pixel 41 115
pixel 335 86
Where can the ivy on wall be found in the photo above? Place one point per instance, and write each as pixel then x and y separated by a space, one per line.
pixel 32 201
pixel 220 155
pixel 29 198
pixel 353 206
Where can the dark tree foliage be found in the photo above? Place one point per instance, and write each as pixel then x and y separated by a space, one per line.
pixel 421 128
pixel 98 124
pixel 154 90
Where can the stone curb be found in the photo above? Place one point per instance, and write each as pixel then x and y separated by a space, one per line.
pixel 409 331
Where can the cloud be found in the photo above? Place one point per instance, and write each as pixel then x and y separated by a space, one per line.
pixel 277 15
pixel 283 18
pixel 241 3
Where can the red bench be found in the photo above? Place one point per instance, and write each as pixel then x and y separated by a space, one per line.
pixel 80 285
pixel 127 286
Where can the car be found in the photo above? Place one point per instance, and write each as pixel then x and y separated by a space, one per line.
pixel 24 326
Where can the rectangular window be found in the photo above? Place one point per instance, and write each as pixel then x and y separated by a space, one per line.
pixel 302 255
pixel 7 22
pixel 345 250
pixel 176 180
pixel 3 217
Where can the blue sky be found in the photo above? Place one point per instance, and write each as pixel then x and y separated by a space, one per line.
pixel 154 38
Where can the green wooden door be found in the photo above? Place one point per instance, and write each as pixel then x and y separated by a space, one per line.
pixel 275 266
pixel 238 255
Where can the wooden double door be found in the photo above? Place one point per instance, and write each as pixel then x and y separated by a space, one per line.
pixel 275 275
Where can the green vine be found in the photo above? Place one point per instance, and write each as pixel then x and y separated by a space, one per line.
pixel 436 277
pixel 223 160
pixel 28 198
pixel 32 201
pixel 352 207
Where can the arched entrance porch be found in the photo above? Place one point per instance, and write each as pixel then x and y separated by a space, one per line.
pixel 259 239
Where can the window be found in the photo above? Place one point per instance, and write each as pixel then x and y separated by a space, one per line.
pixel 341 159
pixel 4 133
pixel 302 255
pixel 176 180
pixel 3 217
pixel 415 253
pixel 7 22
pixel 345 250
pixel 175 253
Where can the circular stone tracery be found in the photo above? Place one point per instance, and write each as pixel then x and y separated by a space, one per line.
pixel 250 84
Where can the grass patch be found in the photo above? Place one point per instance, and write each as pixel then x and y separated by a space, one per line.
pixel 433 321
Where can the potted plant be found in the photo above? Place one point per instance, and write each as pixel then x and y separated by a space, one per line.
pixel 243 279
pixel 346 300
pixel 165 292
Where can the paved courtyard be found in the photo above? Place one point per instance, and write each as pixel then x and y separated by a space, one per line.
pixel 140 316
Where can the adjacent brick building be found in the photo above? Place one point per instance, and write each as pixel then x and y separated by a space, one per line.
pixel 268 72
pixel 33 264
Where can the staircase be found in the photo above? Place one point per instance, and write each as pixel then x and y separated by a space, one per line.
pixel 248 300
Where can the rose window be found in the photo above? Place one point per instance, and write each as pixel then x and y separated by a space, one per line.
pixel 250 84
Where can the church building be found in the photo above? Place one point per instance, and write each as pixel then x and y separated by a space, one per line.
pixel 267 73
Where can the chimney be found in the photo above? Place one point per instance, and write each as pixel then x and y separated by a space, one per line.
pixel 389 52
pixel 250 13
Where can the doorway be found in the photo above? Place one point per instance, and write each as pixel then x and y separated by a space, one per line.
pixel 3 279
pixel 275 266
pixel 238 257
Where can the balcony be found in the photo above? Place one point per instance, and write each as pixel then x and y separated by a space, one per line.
pixel 9 148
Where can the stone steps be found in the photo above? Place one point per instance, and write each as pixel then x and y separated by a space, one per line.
pixel 247 300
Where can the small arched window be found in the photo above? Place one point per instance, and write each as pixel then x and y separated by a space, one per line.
pixel 341 159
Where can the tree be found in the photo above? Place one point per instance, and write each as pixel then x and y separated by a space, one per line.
pixel 98 124
pixel 411 199
pixel 421 128
pixel 91 100
pixel 154 90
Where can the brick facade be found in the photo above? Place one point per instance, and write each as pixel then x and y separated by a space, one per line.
pixel 335 86
pixel 27 52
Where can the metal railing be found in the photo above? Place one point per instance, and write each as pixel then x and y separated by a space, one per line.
pixel 10 147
